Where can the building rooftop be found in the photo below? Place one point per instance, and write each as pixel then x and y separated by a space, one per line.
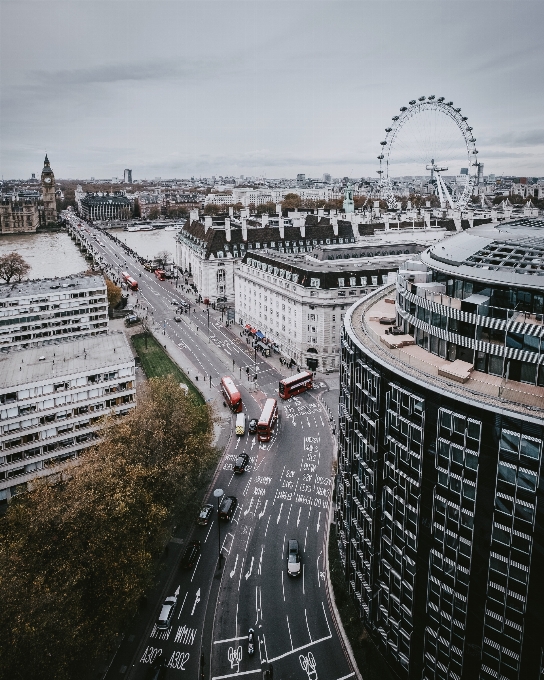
pixel 427 369
pixel 46 286
pixel 511 253
pixel 21 367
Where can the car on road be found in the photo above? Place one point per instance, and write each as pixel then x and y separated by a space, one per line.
pixel 206 512
pixel 177 318
pixel 251 642
pixel 167 612
pixel 190 556
pixel 158 669
pixel 241 463
pixel 227 507
pixel 293 558
pixel 252 427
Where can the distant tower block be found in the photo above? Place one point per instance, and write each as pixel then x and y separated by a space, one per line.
pixel 48 193
pixel 127 176
pixel 349 204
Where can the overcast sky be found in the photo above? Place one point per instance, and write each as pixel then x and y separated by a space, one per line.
pixel 175 89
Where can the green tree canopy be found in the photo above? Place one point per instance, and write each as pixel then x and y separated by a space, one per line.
pixel 78 554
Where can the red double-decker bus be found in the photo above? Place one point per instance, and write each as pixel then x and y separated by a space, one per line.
pixel 267 420
pixel 232 394
pixel 160 274
pixel 295 384
pixel 131 283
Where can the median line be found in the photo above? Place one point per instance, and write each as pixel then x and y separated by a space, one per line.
pixel 218 642
pixel 236 675
pixel 293 651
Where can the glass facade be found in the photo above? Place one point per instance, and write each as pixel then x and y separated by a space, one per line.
pixel 439 516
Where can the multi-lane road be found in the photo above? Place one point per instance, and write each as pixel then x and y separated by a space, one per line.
pixel 284 494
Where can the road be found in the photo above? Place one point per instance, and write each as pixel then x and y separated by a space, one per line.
pixel 285 493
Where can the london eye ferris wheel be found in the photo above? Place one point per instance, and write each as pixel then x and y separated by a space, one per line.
pixel 430 134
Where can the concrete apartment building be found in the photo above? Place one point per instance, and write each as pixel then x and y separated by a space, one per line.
pixel 60 373
pixel 48 310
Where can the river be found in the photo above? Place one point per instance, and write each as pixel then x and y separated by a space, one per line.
pixel 55 254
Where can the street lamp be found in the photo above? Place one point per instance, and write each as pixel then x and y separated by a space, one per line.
pixel 218 493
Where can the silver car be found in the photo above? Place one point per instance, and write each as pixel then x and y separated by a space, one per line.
pixel 293 559
pixel 167 612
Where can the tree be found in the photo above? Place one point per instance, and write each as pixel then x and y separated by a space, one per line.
pixel 291 201
pixel 136 212
pixel 177 211
pixel 114 294
pixel 266 208
pixel 163 257
pixel 77 555
pixel 154 213
pixel 13 266
pixel 213 209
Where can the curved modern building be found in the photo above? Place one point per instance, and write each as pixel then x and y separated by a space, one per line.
pixel 440 494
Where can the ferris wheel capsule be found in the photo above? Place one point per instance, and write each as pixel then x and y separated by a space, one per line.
pixel 440 99
pixel 421 99
pixel 431 98
pixel 404 108
pixel 388 129
pixel 449 103
pixel 412 102
pixel 383 143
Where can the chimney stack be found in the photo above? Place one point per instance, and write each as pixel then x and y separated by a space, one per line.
pixel 334 222
pixel 193 215
pixel 264 219
pixel 282 229
pixel 278 208
pixel 231 211
pixel 244 228
pixel 227 229
pixel 208 222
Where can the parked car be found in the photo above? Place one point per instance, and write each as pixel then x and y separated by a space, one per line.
pixel 293 558
pixel 241 463
pixel 205 513
pixel 177 318
pixel 167 612
pixel 227 507
pixel 252 427
pixel 190 556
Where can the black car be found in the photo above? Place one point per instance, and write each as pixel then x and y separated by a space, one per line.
pixel 227 507
pixel 158 669
pixel 190 556
pixel 252 427
pixel 206 512
pixel 241 463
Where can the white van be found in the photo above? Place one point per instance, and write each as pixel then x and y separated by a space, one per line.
pixel 241 424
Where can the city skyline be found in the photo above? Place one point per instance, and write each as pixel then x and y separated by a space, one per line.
pixel 231 88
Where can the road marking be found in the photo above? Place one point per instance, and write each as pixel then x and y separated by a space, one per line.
pixel 298 518
pixel 345 677
pixel 298 649
pixel 303 588
pixel 234 639
pixel 326 620
pixel 289 514
pixel 248 573
pixel 262 513
pixel 307 626
pixel 187 593
pixel 196 565
pixel 211 524
pixel 279 514
pixel 234 568
pixel 289 628
pixel 261 560
pixel 318 520
pixel 197 600
pixel 282 587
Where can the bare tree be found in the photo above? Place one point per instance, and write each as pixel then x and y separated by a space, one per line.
pixel 13 266
pixel 163 257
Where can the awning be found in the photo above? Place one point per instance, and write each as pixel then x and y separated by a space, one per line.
pixel 247 327
pixel 259 335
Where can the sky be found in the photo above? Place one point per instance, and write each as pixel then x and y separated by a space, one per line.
pixel 262 88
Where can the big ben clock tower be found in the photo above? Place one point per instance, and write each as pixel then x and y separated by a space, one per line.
pixel 48 193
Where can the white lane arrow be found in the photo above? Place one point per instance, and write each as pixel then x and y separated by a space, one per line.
pixel 318 518
pixel 248 573
pixel 264 509
pixel 250 504
pixel 197 600
pixel 177 592
pixel 234 569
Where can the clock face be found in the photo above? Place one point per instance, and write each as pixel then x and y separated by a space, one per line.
pixel 47 179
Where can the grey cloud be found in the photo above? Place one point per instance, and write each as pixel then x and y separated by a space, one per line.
pixel 525 138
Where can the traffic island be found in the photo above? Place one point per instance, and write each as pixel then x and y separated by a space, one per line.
pixel 156 363
pixel 371 664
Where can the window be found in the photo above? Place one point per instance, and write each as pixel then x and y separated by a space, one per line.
pixel 315 283
pixel 340 283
